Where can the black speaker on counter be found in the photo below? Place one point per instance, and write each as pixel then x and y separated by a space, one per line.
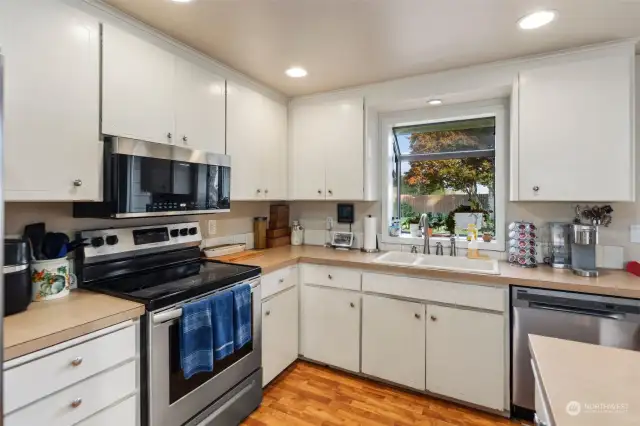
pixel 17 276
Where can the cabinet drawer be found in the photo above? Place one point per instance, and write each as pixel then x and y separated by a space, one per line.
pixel 61 369
pixel 279 280
pixel 124 413
pixel 475 296
pixel 329 276
pixel 94 394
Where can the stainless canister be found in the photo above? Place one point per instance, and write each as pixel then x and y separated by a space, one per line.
pixel 584 234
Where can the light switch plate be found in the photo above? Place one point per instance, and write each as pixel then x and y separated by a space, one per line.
pixel 635 234
pixel 211 227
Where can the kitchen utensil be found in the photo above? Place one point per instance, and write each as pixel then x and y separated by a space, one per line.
pixel 54 244
pixel 73 245
pixel 35 233
pixel 51 279
pixel 223 250
pixel 17 276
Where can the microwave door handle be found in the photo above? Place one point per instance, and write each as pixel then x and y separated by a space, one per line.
pixel 579 311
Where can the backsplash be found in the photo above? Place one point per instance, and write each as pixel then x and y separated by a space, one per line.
pixel 59 217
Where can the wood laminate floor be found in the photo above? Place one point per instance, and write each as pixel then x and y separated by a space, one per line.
pixel 308 394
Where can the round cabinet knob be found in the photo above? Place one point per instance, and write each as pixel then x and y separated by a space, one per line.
pixel 184 139
pixel 97 242
pixel 330 192
pixel 259 191
pixel 76 402
pixel 536 188
pixel 266 191
pixel 434 318
pixel 417 316
pixel 77 182
pixel 169 135
pixel 281 280
pixel 267 313
pixel 76 361
pixel 353 305
pixel 319 191
pixel 112 240
pixel 330 276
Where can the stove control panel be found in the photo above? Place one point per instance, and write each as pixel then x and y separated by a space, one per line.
pixel 130 240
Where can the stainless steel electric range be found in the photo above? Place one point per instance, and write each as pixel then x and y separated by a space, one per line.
pixel 160 266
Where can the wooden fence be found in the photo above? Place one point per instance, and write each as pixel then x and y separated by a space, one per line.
pixel 441 203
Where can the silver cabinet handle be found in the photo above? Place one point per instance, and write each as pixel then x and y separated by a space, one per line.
pixel 330 276
pixel 281 280
pixel 330 192
pixel 267 313
pixel 417 316
pixel 434 318
pixel 77 182
pixel 353 305
pixel 76 402
pixel 184 138
pixel 266 191
pixel 76 361
pixel 319 191
pixel 536 188
pixel 258 191
pixel 169 135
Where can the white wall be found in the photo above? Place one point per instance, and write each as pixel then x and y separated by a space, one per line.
pixel 465 85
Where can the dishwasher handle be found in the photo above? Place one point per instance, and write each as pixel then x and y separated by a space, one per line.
pixel 579 311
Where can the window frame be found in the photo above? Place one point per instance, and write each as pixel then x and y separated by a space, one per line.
pixel 496 108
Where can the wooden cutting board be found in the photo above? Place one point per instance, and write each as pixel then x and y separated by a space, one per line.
pixel 239 257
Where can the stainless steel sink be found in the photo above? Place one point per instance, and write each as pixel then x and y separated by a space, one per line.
pixel 448 263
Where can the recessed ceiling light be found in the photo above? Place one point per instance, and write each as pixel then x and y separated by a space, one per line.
pixel 537 19
pixel 435 102
pixel 296 72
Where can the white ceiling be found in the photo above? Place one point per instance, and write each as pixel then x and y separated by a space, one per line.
pixel 344 43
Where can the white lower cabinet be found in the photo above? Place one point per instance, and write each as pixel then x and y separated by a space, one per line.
pixel 393 340
pixel 331 326
pixel 466 355
pixel 279 333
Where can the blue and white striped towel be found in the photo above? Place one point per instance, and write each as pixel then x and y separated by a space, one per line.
pixel 222 317
pixel 242 314
pixel 196 338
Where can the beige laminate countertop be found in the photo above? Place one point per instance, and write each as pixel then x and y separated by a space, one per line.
pixel 610 282
pixel 46 324
pixel 601 383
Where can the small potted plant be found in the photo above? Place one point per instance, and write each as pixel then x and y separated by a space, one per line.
pixel 487 231
pixel 414 226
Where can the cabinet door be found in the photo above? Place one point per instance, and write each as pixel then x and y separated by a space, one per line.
pixel 137 88
pixel 51 101
pixel 575 123
pixel 393 340
pixel 465 355
pixel 279 333
pixel 309 132
pixel 274 149
pixel 331 327
pixel 344 150
pixel 200 108
pixel 244 142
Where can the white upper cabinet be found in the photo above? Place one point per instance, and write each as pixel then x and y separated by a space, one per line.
pixel 466 355
pixel 327 150
pixel 199 108
pixel 572 130
pixel 153 95
pixel 393 340
pixel 137 88
pixel 51 101
pixel 256 142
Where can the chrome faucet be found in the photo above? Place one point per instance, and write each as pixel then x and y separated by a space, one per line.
pixel 453 250
pixel 414 249
pixel 424 224
pixel 439 249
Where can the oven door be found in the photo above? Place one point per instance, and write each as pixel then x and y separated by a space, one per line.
pixel 174 400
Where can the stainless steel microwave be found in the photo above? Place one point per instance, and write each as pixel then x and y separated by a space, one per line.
pixel 142 179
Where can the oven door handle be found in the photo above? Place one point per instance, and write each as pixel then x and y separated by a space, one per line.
pixel 161 317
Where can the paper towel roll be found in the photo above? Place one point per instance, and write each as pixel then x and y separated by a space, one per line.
pixel 370 231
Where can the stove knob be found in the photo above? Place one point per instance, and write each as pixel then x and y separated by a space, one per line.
pixel 174 233
pixel 184 231
pixel 97 242
pixel 193 231
pixel 112 240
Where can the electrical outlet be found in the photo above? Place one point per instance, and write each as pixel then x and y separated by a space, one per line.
pixel 329 223
pixel 211 225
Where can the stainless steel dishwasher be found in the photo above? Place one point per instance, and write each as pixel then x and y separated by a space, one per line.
pixel 601 320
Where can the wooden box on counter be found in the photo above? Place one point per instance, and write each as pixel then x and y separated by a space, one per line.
pixel 278 217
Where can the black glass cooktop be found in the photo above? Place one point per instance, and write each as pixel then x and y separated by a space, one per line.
pixel 165 286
